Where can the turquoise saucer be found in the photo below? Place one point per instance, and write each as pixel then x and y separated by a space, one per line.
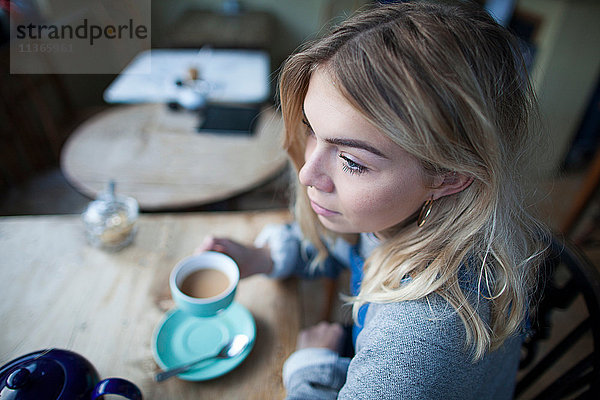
pixel 180 338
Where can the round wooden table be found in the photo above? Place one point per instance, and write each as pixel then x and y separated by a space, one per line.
pixel 156 156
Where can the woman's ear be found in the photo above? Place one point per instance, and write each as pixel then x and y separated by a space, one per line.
pixel 450 183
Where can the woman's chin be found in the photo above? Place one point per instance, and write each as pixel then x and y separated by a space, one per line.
pixel 336 224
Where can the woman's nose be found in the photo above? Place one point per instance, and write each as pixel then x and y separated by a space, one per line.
pixel 315 173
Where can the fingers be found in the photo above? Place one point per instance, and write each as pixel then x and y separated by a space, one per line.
pixel 250 260
pixel 323 335
pixel 210 243
pixel 206 245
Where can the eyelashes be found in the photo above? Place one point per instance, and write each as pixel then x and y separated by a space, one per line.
pixel 351 167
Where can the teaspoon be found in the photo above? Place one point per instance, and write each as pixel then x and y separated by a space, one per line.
pixel 231 349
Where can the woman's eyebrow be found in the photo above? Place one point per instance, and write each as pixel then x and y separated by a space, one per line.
pixel 357 144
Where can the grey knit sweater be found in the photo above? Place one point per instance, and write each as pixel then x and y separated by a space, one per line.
pixel 406 350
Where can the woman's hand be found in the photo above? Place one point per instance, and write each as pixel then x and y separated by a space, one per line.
pixel 251 260
pixel 324 334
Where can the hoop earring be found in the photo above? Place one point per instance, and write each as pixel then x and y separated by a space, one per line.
pixel 424 214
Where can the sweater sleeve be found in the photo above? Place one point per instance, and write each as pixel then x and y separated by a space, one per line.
pixel 292 254
pixel 314 373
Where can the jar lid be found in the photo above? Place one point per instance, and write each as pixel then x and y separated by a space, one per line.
pixel 109 205
pixel 117 211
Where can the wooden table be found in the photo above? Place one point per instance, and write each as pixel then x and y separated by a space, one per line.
pixel 59 292
pixel 156 156
pixel 230 76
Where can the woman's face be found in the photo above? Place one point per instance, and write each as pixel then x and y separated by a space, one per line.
pixel 358 179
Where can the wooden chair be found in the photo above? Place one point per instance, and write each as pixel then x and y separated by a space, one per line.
pixel 561 357
pixel 583 197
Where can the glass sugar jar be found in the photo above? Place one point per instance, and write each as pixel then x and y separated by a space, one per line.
pixel 110 220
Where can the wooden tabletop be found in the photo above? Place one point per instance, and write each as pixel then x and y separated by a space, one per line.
pixel 59 292
pixel 156 156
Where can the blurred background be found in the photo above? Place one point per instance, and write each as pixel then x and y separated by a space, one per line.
pixel 561 41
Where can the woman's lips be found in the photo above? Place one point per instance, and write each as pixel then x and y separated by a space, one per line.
pixel 321 210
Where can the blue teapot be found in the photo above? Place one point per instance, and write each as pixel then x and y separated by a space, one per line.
pixel 57 374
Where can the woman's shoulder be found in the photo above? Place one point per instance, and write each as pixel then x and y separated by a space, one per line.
pixel 420 325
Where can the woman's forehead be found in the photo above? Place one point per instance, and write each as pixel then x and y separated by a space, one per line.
pixel 336 120
pixel 324 103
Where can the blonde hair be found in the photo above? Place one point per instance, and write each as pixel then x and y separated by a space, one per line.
pixel 447 84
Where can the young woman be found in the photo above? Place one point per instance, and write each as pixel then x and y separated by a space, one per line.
pixel 409 128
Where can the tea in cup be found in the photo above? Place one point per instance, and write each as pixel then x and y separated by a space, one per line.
pixel 204 284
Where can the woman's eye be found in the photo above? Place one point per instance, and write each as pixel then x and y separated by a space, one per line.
pixel 351 167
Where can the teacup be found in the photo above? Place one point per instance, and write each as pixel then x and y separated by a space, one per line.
pixel 204 284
